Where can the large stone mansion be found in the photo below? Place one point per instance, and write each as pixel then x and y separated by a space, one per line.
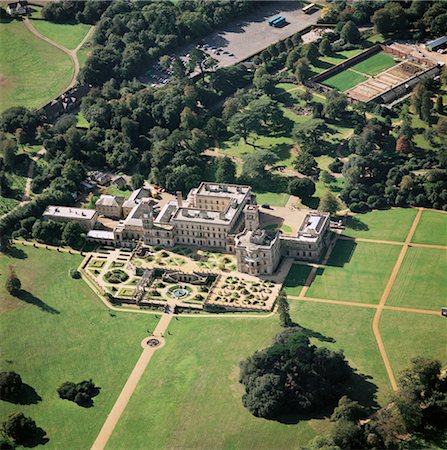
pixel 218 216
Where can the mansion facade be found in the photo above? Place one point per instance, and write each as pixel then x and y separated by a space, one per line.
pixel 214 215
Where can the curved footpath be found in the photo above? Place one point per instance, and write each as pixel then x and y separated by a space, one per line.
pixel 72 54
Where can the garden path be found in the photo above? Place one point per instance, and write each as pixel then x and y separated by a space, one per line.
pixel 131 384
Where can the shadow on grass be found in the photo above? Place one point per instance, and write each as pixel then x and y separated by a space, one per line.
pixel 27 396
pixel 29 298
pixel 358 387
pixel 15 252
pixel 354 223
pixel 39 438
pixel 341 255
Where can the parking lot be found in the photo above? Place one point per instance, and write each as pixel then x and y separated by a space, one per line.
pixel 240 39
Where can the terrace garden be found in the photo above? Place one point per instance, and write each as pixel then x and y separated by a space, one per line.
pixel 233 291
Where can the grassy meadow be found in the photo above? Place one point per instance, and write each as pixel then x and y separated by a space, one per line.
pixel 32 71
pixel 57 331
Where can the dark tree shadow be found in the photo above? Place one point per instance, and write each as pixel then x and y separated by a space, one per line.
pixel 15 252
pixel 356 224
pixel 39 438
pixel 29 298
pixel 358 387
pixel 28 396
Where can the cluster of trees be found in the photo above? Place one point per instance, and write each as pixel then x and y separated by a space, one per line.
pixel 418 411
pixel 292 376
pixel 422 18
pixel 81 393
pixel 381 171
pixel 131 35
pixel 70 11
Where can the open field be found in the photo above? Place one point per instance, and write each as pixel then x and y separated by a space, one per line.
pixel 408 335
pixel 390 225
pixel 431 229
pixel 422 280
pixel 59 331
pixel 202 386
pixel 375 64
pixel 32 71
pixel 67 34
pixel 355 272
pixel 345 80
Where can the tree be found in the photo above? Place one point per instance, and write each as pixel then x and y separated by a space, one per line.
pixel 390 19
pixel 426 106
pixel 348 435
pixel 310 51
pixel 72 234
pixel 283 311
pixel 22 429
pixel 325 47
pixel 326 177
pixel 302 70
pixel 335 106
pixel 422 395
pixel 329 203
pixel 10 385
pixel 348 409
pixel 306 164
pixel 254 165
pixel 225 170
pixel 9 149
pixel 301 187
pixel 309 135
pixel 13 283
pixel 350 33
pixel 403 145
pixel 137 181
pixel 243 123
pixel 439 105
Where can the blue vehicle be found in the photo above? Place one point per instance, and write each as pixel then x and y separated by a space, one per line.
pixel 278 21
pixel 273 19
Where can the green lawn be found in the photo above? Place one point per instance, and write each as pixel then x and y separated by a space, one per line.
pixel 32 71
pixel 407 335
pixel 296 278
pixel 175 408
pixel 390 225
pixel 271 198
pixel 82 121
pixel 422 280
pixel 59 332
pixel 68 35
pixel 345 80
pixel 112 190
pixel 431 229
pixel 358 344
pixel 355 272
pixel 375 64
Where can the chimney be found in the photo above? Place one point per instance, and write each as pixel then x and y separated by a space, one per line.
pixel 179 199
